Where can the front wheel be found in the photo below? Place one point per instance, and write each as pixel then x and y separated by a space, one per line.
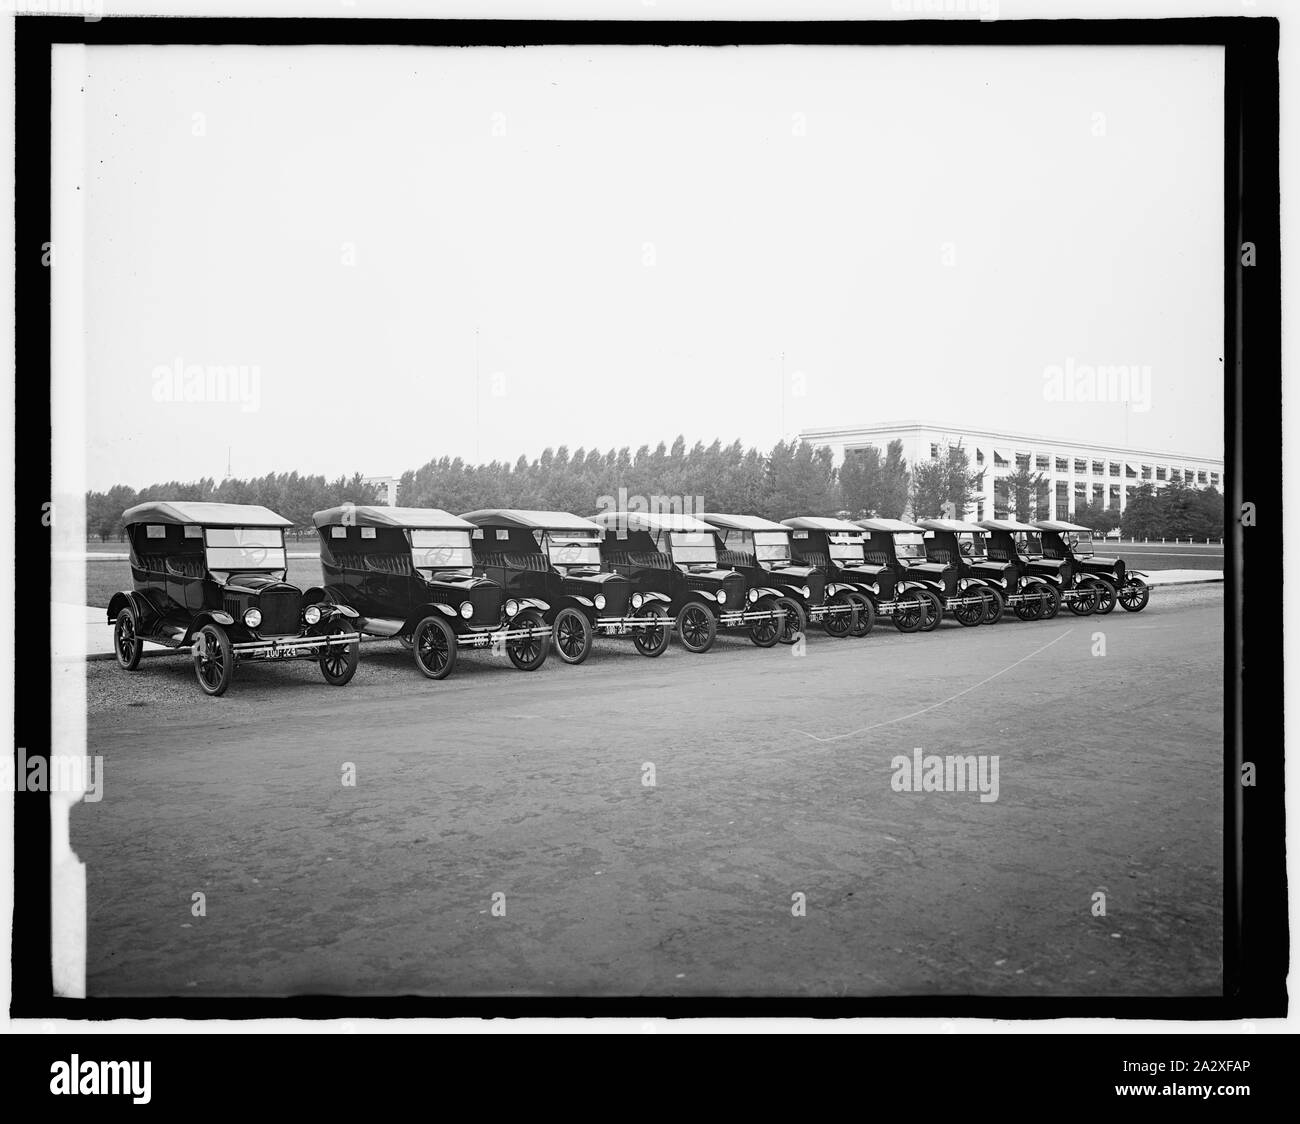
pixel 529 652
pixel 866 617
pixel 796 620
pixel 652 639
pixel 1052 604
pixel 969 615
pixel 573 635
pixel 766 632
pixel 1083 600
pixel 214 660
pixel 1107 597
pixel 1134 595
pixel 932 610
pixel 339 665
pixel 909 611
pixel 841 617
pixel 1032 605
pixel 434 645
pixel 127 645
pixel 994 605
pixel 697 627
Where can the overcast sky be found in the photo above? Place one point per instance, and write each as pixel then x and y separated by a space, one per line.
pixel 636 235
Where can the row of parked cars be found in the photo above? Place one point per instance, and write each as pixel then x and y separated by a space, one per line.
pixel 212 577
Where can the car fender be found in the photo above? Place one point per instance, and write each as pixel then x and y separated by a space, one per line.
pixel 127 600
pixel 768 591
pixel 654 595
pixel 705 594
pixel 533 603
pixel 839 587
pixel 585 602
pixel 445 609
pixel 868 587
pixel 207 616
pixel 1136 573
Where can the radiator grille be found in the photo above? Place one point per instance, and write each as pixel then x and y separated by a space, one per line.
pixel 279 613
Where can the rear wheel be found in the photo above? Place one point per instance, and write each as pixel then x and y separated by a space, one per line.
pixel 528 653
pixel 434 645
pixel 1107 597
pixel 127 645
pixel 866 617
pixel 214 660
pixel 573 635
pixel 1134 595
pixel 842 618
pixel 796 620
pixel 766 632
pixel 994 605
pixel 696 627
pixel 339 665
pixel 972 611
pixel 652 639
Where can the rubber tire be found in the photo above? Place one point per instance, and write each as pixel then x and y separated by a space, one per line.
pixel 125 624
pixel 351 657
pixel 1140 595
pixel 572 623
pixel 1053 605
pixel 1106 604
pixel 660 634
pixel 1084 601
pixel 908 619
pixel 994 605
pixel 969 616
pixel 425 641
pixel 841 625
pixel 866 618
pixel 1032 610
pixel 214 634
pixel 515 649
pixel 936 613
pixel 796 620
pixel 704 623
pixel 765 634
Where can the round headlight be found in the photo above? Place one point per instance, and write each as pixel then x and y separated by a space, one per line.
pixel 753 595
pixel 253 618
pixel 722 597
pixel 600 601
pixel 466 610
pixel 807 593
pixel 512 607
pixel 637 600
pixel 312 614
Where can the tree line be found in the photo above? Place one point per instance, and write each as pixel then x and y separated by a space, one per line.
pixel 792 478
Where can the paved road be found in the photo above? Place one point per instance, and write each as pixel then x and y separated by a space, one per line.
pixel 772 778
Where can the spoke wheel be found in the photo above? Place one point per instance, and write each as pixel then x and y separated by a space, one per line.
pixel 652 639
pixel 994 605
pixel 1052 602
pixel 909 611
pixel 1084 600
pixel 866 616
pixel 841 624
pixel 968 616
pixel 127 645
pixel 1107 598
pixel 214 660
pixel 766 632
pixel 1031 608
pixel 796 620
pixel 529 653
pixel 433 643
pixel 573 635
pixel 933 610
pixel 697 627
pixel 339 665
pixel 1134 595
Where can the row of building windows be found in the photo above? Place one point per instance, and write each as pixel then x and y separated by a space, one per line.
pixel 1082 467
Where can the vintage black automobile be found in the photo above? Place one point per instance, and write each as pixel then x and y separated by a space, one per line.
pixel 954 542
pixel 760 549
pixel 409 574
pixel 1074 543
pixel 835 546
pixel 907 594
pixel 1031 588
pixel 554 556
pixel 211 576
pixel 672 559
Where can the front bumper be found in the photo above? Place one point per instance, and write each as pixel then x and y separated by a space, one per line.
pixel 294 647
pixel 501 636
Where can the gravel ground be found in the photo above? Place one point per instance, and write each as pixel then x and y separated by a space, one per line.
pixel 772 779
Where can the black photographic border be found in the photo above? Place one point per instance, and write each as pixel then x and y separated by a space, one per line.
pixel 1255 904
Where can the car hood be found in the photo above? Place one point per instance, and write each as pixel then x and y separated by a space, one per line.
pixel 927 567
pixel 257 583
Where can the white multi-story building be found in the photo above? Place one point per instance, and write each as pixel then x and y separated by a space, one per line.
pixel 1075 472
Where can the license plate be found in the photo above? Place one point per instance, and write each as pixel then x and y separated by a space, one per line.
pixel 287 653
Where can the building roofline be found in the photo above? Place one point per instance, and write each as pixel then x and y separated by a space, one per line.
pixel 841 431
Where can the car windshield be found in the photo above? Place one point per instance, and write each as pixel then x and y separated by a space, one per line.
pixel 972 545
pixel 245 548
pixel 1080 542
pixel 845 548
pixel 440 550
pixel 573 550
pixel 690 547
pixel 772 546
pixel 1029 544
pixel 910 547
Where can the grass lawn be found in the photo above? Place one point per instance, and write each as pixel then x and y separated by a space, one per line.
pixel 103 579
